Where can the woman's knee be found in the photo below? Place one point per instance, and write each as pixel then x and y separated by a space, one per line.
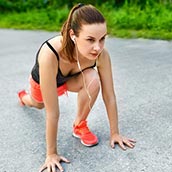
pixel 37 104
pixel 92 80
pixel 40 105
pixel 89 79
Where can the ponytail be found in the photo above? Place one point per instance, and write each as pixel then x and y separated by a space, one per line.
pixel 67 43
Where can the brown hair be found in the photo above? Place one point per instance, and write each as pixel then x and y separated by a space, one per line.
pixel 80 14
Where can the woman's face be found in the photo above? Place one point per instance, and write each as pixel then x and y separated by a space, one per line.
pixel 91 39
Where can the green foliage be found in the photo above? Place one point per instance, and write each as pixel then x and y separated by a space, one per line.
pixel 134 20
pixel 125 18
pixel 42 20
pixel 21 5
pixel 25 5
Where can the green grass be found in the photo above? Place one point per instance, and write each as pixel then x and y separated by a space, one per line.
pixel 132 21
pixel 34 20
pixel 154 22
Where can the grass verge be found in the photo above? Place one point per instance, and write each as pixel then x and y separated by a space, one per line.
pixel 126 22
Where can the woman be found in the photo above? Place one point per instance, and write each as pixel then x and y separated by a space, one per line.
pixel 67 63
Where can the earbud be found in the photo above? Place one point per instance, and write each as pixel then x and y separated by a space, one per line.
pixel 73 39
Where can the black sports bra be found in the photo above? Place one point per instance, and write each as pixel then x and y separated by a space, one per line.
pixel 60 79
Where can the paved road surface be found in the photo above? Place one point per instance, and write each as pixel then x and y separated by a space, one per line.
pixel 143 82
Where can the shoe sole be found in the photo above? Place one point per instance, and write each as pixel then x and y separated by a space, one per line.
pixel 87 145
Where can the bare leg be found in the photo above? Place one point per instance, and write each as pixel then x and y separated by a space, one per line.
pixel 86 96
pixel 28 101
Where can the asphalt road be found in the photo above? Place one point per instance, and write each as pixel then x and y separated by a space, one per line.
pixel 143 82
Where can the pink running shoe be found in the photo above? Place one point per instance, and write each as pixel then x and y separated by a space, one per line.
pixel 82 132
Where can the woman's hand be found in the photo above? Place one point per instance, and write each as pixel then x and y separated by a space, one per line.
pixel 53 161
pixel 122 141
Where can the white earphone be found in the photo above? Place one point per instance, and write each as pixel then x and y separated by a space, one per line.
pixel 73 39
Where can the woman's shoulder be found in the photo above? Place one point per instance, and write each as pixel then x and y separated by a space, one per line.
pixel 103 58
pixel 50 46
pixel 104 54
pixel 56 42
pixel 47 52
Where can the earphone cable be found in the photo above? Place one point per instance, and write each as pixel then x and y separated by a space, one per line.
pixel 83 78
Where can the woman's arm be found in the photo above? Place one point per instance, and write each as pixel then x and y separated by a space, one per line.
pixel 108 93
pixel 105 73
pixel 48 68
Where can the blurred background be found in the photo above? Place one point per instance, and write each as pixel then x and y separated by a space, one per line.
pixel 125 18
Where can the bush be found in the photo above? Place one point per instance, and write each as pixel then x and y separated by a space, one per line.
pixel 129 19
pixel 24 5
